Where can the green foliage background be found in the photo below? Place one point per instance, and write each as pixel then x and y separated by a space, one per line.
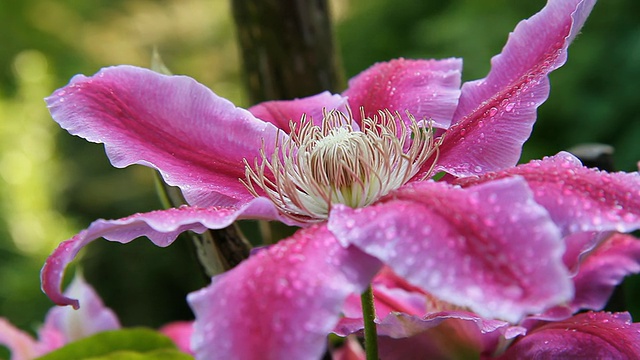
pixel 53 184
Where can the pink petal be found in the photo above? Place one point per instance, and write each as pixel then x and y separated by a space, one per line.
pixel 21 344
pixel 350 350
pixel 603 269
pixel 428 89
pixel 584 336
pixel 496 114
pixel 446 335
pixel 281 303
pixel 391 294
pixel 65 325
pixel 172 123
pixel 161 227
pixel 180 332
pixel 465 246
pixel 578 247
pixel 578 199
pixel 282 112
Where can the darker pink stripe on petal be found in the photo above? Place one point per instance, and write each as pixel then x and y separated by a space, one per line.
pixel 490 248
pixel 172 123
pixel 593 335
pixel 577 198
pixel 428 89
pixel 282 302
pixel 161 227
pixel 496 114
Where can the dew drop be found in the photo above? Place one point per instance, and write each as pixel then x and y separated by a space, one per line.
pixel 510 106
pixel 493 111
pixel 350 223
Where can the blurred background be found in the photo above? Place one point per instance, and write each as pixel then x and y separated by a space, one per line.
pixel 53 184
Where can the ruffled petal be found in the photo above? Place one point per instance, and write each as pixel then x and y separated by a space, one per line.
pixel 428 89
pixel 584 336
pixel 446 335
pixel 68 325
pixel 21 344
pixel 578 246
pixel 577 198
pixel 490 248
pixel 281 303
pixel 496 114
pixel 282 112
pixel 603 269
pixel 172 123
pixel 161 227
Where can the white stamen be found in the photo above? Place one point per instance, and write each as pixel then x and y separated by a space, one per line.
pixel 322 165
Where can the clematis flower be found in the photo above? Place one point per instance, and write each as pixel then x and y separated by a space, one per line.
pixel 61 325
pixel 414 324
pixel 353 171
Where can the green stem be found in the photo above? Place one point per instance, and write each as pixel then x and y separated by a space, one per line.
pixel 370 333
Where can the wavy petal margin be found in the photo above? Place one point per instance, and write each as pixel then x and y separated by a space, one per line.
pixel 171 123
pixel 161 227
pixel 281 303
pixel 68 325
pixel 496 114
pixel 490 248
pixel 445 335
pixel 577 198
pixel 603 269
pixel 428 89
pixel 593 335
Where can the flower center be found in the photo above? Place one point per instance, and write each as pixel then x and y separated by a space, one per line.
pixel 337 162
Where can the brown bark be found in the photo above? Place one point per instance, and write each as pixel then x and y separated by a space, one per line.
pixel 287 48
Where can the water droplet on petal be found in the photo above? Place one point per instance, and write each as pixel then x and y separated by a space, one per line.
pixel 510 106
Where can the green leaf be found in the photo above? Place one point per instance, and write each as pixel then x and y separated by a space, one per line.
pixel 153 355
pixel 119 344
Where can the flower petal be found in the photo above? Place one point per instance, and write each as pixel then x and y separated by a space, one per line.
pixel 281 112
pixel 350 350
pixel 68 325
pixel 465 246
pixel 21 344
pixel 584 336
pixel 428 89
pixel 578 199
pixel 161 227
pixel 172 123
pixel 446 335
pixel 603 269
pixel 496 114
pixel 281 303
pixel 180 332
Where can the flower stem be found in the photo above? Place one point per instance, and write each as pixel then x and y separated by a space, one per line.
pixel 370 333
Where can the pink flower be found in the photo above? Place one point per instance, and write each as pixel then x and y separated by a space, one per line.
pixel 490 238
pixel 62 325
pixel 412 323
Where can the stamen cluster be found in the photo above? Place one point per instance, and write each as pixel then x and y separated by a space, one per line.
pixel 340 162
